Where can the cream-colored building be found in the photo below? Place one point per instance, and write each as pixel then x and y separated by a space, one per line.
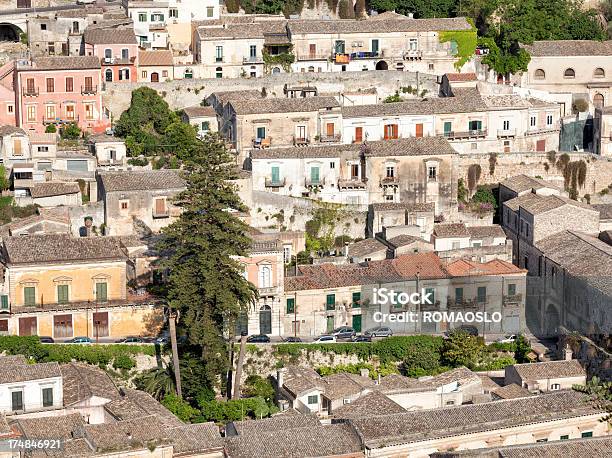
pixel 571 70
pixel 547 376
pixel 155 66
pixel 204 119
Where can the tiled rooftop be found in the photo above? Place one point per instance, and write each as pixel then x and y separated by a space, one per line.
pixel 49 248
pixel 61 63
pixel 198 111
pixel 483 232
pixel 365 247
pixel 464 268
pixel 109 36
pixel 82 381
pixel 562 48
pixel 149 180
pixel 297 27
pixel 522 183
pixel 445 230
pixel 285 420
pixel 511 391
pixel 549 369
pixel 282 105
pixel 411 207
pixel 371 404
pixel 53 188
pixel 160 58
pixel 16 373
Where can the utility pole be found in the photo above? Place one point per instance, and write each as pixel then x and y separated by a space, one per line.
pixel 172 319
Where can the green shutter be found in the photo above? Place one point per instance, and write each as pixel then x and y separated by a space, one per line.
pixel 431 291
pixel 482 294
pixel 356 300
pixel 275 174
pixel 4 301
pixel 356 322
pixel 448 127
pixel 62 294
pixel 290 305
pixel 261 132
pixel 314 175
pixel 458 295
pixel 101 292
pixel 331 301
pixel 511 289
pixel 29 295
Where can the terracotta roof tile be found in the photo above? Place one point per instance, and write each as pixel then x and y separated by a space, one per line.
pixel 511 391
pixel 109 36
pixel 569 48
pixel 549 369
pixel 61 63
pixel 53 188
pixel 372 404
pixel 197 111
pixel 162 58
pixel 141 180
pixel 282 105
pixel 450 230
pixel 376 26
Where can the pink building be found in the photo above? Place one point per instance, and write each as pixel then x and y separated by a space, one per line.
pixel 60 90
pixel 117 50
pixel 7 95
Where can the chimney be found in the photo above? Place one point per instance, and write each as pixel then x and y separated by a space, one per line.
pixel 364 372
pixel 567 353
pixel 346 249
pixel 410 15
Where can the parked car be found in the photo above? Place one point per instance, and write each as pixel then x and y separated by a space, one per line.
pixel 46 339
pixel 291 339
pixel 80 340
pixel 162 340
pixel 325 339
pixel 131 339
pixel 261 338
pixel 363 338
pixel 344 332
pixel 379 331
pixel 511 338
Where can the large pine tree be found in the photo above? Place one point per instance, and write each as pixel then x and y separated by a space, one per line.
pixel 205 281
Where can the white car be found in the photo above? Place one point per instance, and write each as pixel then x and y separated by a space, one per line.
pixel 508 339
pixel 86 2
pixel 325 339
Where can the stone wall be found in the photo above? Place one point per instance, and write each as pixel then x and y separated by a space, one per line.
pixel 270 210
pixel 595 359
pixel 186 92
pixel 599 170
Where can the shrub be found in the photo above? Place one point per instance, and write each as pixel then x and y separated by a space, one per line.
pixel 180 408
pixel 138 161
pixel 484 196
pixel 71 132
pixel 51 129
pixel 580 105
pixel 124 362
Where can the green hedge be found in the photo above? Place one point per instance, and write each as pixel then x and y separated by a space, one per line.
pixel 31 347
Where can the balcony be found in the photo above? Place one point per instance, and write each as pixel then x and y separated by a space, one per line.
pixel 59 120
pixel 352 184
pixel 452 135
pixel 330 138
pixel 366 55
pixel 262 143
pixel 300 141
pixel 279 183
pixel 252 60
pixel 161 213
pixel 314 56
pixel 460 302
pixel 506 133
pixel 542 130
pixel 341 58
pixel 389 181
pixel 89 90
pixel 412 54
pixel 268 291
pixel 314 183
pixel 30 92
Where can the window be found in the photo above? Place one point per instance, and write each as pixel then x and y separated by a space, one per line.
pixel 62 294
pixel 290 305
pixel 430 66
pixel 101 291
pixel 252 51
pixel 555 387
pixel 356 300
pixel 17 147
pixel 69 84
pixel 391 131
pixel 313 399
pixel 205 126
pixel 173 12
pixel 332 165
pixel 261 133
pixel 549 120
pixel 10 109
pixel 142 17
pixel 569 73
pixel 218 72
pixel 69 111
pixel 124 205
pixel 143 74
pixel 17 400
pixel 481 294
pixel 287 254
pixel 157 17
pixel 532 121
pixel 50 111
pixel 539 74
pixel 511 289
pixel 339 47
pixel 432 173
pixel 88 83
pixel 210 11
pixel 390 171
pixel 43 26
pixel 219 54
pixel 430 293
pixel 599 73
pixel 587 434
pixel 354 171
pixel 125 53
pixel 88 110
pixel 541 440
pixel 330 302
pixel 4 302
pixel 475 125
pixel 47 396
pixel 31 113
pixel 506 125
pixel 564 437
pixel 450 403
pixel 3 325
pixel 458 295
pixel 413 44
pixel 29 295
pixel 62 326
pixel 265 276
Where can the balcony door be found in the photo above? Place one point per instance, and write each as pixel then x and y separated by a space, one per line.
pixel 391 131
pixel 358 134
pixel 330 129
pixel 312 50
pixel 419 130
pixel 314 175
pixel 265 320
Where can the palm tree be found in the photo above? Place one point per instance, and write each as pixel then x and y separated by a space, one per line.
pixel 157 382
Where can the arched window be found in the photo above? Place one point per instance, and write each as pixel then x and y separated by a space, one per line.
pixel 599 73
pixel 108 75
pixel 219 72
pixel 276 70
pixel 598 100
pixel 188 73
pixel 108 54
pixel 569 73
pixel 265 276
pixel 539 74
pixel 311 69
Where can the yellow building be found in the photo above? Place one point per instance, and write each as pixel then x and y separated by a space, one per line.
pixel 61 286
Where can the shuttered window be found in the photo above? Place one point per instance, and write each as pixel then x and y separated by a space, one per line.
pixel 101 292
pixel 47 395
pixel 29 295
pixel 62 294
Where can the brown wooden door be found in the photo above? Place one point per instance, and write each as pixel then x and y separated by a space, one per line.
pixel 100 324
pixel 17 147
pixel 30 85
pixel 541 145
pixel 330 129
pixel 358 134
pixel 155 77
pixel 419 130
pixel 312 49
pixel 390 131
pixel 27 326
pixel 160 206
pixel 62 326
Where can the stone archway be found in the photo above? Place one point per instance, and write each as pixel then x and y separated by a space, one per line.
pixel 265 319
pixel 598 100
pixel 9 32
pixel 382 65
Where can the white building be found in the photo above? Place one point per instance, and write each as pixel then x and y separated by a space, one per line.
pixel 109 150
